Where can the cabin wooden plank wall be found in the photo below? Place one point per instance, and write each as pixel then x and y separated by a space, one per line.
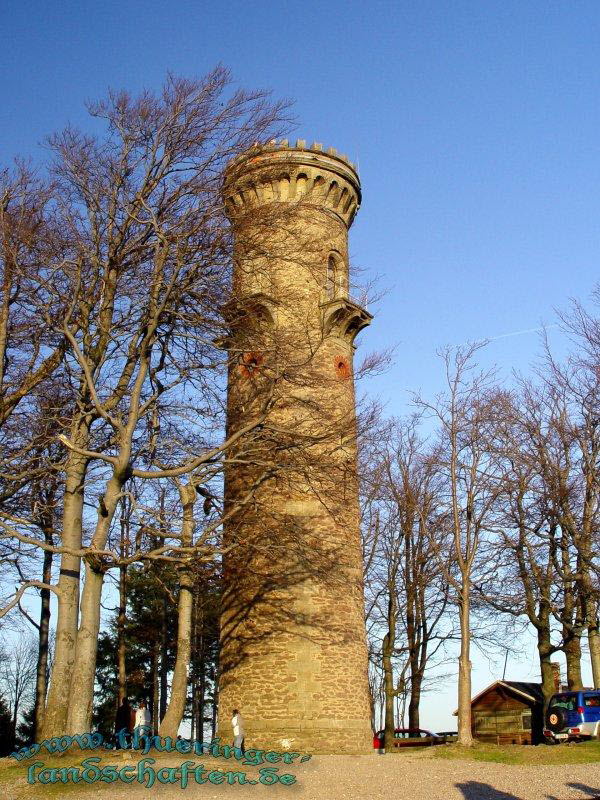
pixel 501 718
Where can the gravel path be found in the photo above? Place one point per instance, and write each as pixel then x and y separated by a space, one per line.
pixel 372 777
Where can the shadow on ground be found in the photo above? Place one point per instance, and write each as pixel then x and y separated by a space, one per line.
pixel 594 793
pixel 475 790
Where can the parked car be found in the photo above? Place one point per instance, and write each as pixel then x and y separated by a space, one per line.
pixel 573 716
pixel 449 736
pixel 409 737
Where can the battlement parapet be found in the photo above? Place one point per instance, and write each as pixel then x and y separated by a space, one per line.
pixel 280 172
pixel 278 145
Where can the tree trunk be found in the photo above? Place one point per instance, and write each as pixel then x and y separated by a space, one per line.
pixel 194 714
pixel 411 636
pixel 572 651
pixel 588 598
pixel 155 686
pixel 202 688
pixel 545 652
pixel 122 615
pixel 571 613
pixel 164 661
pixel 415 699
pixel 14 717
pixel 59 694
pixel 197 650
pixel 594 643
pixel 82 683
pixel 84 671
pixel 465 733
pixel 215 703
pixel 15 713
pixel 41 677
pixel 174 713
pixel 387 651
pixel 121 643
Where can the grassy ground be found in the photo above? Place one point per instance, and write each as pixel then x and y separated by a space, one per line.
pixel 15 786
pixel 574 753
pixel 13 776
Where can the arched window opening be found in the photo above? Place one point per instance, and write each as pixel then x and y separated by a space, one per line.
pixel 330 286
pixel 301 182
pixel 335 285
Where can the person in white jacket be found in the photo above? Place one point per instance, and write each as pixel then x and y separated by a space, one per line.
pixel 142 715
pixel 237 723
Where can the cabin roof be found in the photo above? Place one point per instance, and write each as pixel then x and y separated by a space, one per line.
pixel 530 691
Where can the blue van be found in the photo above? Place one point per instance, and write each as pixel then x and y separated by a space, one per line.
pixel 573 716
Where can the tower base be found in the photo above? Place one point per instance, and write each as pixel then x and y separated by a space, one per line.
pixel 309 737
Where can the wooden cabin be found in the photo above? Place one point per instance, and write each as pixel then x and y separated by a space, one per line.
pixel 509 712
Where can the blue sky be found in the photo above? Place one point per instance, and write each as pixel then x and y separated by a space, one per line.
pixel 475 125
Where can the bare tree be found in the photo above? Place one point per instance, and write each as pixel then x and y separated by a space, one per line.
pixel 464 415
pixel 31 354
pixel 137 253
pixel 551 515
pixel 575 389
pixel 154 209
pixel 17 676
pixel 525 580
pixel 407 592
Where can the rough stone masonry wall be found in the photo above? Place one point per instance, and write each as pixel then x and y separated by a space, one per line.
pixel 293 655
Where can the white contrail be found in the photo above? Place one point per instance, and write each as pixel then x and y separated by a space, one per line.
pixel 520 333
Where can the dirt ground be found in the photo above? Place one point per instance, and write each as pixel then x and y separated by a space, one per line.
pixel 418 776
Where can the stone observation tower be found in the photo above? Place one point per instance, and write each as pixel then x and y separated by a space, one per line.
pixel 293 645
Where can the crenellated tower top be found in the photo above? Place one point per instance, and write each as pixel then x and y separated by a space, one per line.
pixel 282 172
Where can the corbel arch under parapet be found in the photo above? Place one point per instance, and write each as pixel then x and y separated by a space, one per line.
pixel 343 318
